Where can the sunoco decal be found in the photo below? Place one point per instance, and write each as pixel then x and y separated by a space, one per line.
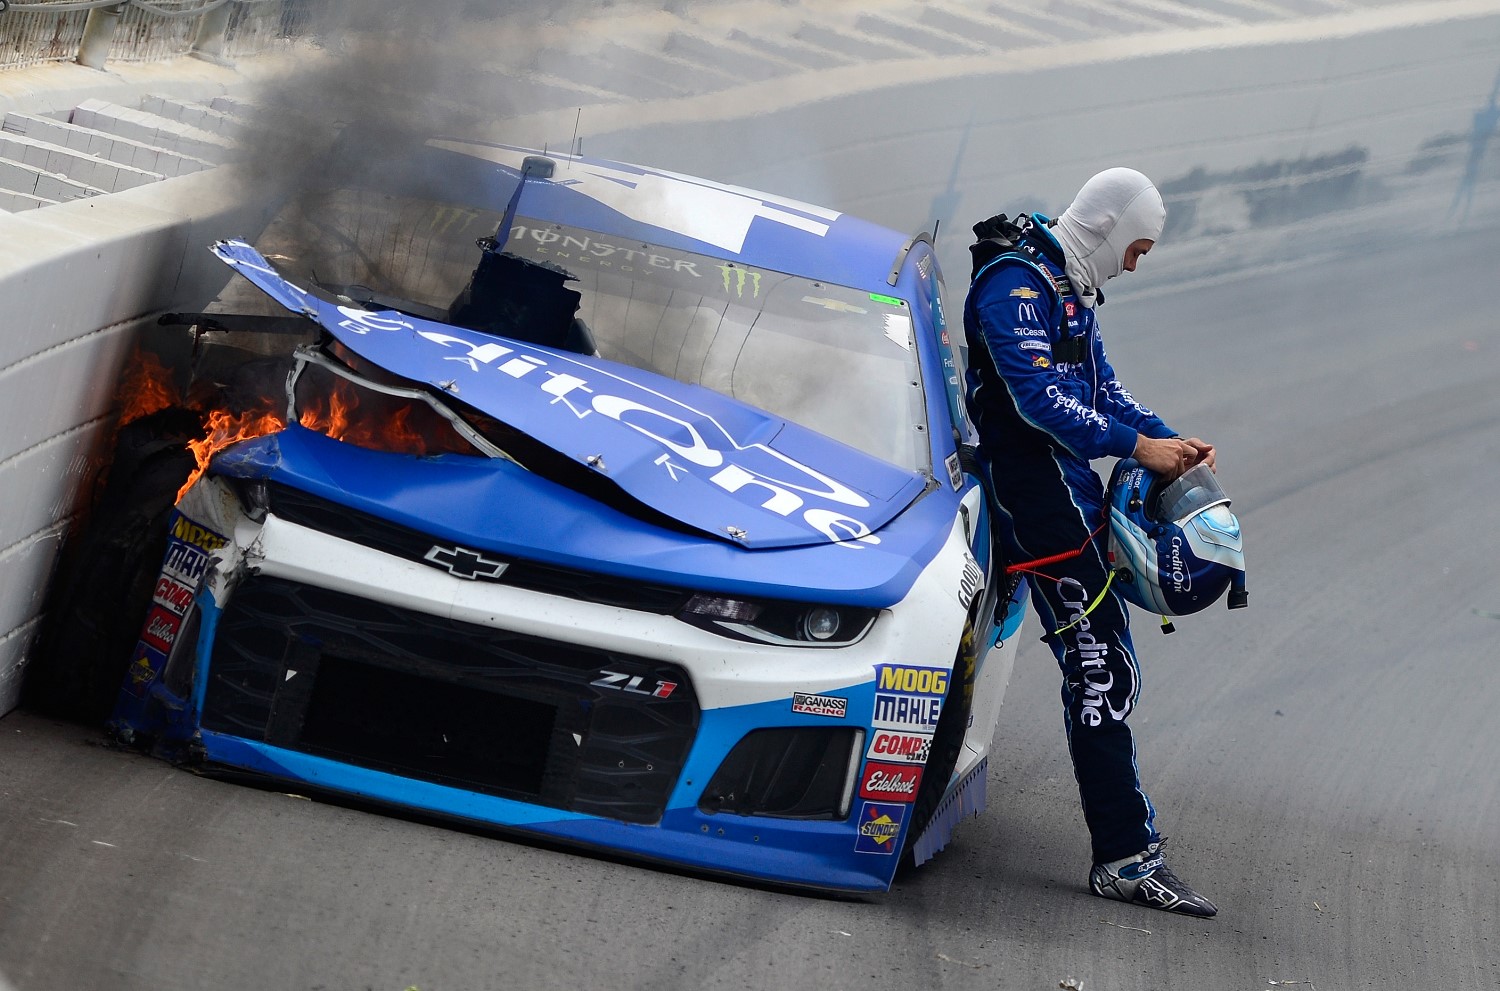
pixel 879 828
pixel 820 705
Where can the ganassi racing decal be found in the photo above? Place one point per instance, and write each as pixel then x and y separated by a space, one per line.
pixel 890 782
pixel 879 826
pixel 820 705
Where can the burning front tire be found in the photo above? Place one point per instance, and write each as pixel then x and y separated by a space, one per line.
pixel 102 593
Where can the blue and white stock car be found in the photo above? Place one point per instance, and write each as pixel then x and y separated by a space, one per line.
pixel 691 564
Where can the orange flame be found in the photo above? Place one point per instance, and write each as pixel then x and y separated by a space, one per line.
pixel 391 429
pixel 146 387
pixel 223 429
pixel 397 427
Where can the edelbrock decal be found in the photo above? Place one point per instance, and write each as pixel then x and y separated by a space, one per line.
pixel 890 782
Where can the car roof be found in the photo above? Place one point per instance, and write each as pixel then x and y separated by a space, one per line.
pixel 655 207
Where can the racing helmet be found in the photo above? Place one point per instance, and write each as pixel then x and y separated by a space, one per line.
pixel 1175 546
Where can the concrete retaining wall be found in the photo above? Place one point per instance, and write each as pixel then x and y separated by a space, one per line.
pixel 78 282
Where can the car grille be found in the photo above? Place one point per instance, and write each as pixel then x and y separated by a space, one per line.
pixel 392 689
pixel 296 506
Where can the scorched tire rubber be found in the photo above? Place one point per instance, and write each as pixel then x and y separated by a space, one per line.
pixel 101 595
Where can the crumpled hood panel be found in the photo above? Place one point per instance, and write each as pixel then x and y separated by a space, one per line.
pixel 714 464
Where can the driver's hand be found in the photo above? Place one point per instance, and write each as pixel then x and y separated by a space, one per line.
pixel 1167 456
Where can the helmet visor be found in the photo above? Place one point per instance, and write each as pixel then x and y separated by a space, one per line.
pixel 1194 491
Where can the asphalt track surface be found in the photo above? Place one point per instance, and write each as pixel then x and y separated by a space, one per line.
pixel 1324 760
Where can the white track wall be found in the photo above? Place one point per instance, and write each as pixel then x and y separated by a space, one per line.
pixel 78 282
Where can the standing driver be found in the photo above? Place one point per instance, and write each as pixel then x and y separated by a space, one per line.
pixel 1046 403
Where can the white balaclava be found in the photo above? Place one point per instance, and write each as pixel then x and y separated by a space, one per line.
pixel 1111 212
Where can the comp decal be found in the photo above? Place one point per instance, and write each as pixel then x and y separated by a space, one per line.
pixel 905 748
pixel 172 595
pixel 879 826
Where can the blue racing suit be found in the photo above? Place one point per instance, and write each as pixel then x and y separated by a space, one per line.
pixel 1046 402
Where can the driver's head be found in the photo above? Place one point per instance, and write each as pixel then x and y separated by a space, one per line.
pixel 1114 219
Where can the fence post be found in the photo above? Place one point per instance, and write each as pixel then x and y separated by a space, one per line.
pixel 212 29
pixel 98 35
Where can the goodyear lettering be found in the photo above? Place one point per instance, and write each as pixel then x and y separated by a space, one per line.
pixel 186 530
pixel 970 582
pixel 906 711
pixel 921 681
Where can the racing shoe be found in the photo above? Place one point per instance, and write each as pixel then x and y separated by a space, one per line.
pixel 1145 879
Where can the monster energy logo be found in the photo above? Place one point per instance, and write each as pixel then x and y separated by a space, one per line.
pixel 740 278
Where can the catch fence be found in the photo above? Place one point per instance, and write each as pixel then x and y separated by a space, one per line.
pixel 35 32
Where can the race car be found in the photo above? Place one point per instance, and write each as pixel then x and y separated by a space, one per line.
pixel 648 522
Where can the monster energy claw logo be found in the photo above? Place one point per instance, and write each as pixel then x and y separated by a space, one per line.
pixel 741 278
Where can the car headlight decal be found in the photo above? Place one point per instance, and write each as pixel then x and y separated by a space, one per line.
pixel 790 624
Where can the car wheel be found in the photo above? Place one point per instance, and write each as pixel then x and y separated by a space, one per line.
pixel 947 740
pixel 104 587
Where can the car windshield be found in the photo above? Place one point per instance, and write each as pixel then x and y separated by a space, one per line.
pixel 838 360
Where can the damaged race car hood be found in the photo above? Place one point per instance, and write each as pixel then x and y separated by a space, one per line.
pixel 715 464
